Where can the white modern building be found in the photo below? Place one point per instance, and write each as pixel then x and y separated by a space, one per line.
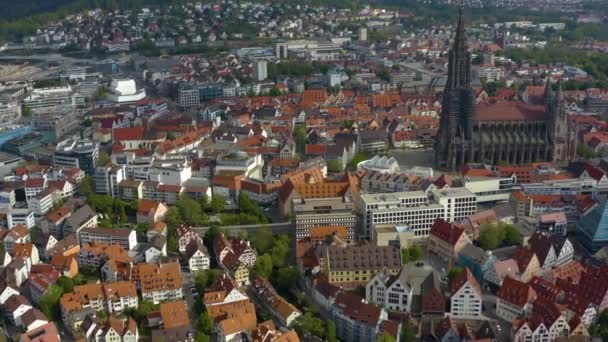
pixel 489 189
pixel 412 208
pixel 107 179
pixel 416 209
pixel 458 203
pixel 125 91
pixel 79 153
pixel 171 172
pixel 380 164
pixel 260 70
pixel 250 164
pixel 23 217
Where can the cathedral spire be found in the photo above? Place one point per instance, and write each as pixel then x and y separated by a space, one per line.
pixel 559 97
pixel 548 94
pixel 460 39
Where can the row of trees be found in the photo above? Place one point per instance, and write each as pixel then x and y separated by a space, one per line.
pixel 274 252
pixel 596 64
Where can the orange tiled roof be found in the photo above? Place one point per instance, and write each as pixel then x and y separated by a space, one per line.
pixel 174 314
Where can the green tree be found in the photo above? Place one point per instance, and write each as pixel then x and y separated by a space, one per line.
pixel 49 301
pixel 359 157
pixel 512 236
pixel 405 255
pixel 263 239
pixel 210 235
pixel 247 206
pixel 87 186
pixel 119 211
pixel 26 111
pixel 286 278
pixel 585 151
pixel 202 337
pixel 141 313
pixel 333 165
pixel 202 279
pixel 103 159
pixel 190 211
pixel 454 274
pixel 308 323
pixel 407 332
pixel 263 266
pixel 173 217
pixel 217 204
pixel 330 332
pixel 489 238
pixel 385 338
pixel 600 327
pixel 274 91
pixel 300 137
pixel 205 324
pixel 66 284
pixel 280 250
pixel 415 252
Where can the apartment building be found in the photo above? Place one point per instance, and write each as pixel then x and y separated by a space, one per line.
pixel 447 239
pixel 112 297
pixel 280 308
pixel 125 237
pixel 355 265
pixel 322 212
pixel 357 320
pixel 514 299
pixel 466 297
pixel 97 253
pixel 44 201
pixel 82 218
pixel 107 179
pixel 546 323
pixel 188 96
pixel 159 282
pixel 415 290
pixel 197 256
pixel 21 216
pixel 233 312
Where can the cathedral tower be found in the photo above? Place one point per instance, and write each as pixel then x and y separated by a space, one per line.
pixel 453 144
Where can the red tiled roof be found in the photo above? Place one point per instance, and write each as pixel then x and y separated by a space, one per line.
pixel 465 277
pixel 316 149
pixel 508 111
pixel 132 133
pixel 516 292
pixel 523 256
pixel 448 232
